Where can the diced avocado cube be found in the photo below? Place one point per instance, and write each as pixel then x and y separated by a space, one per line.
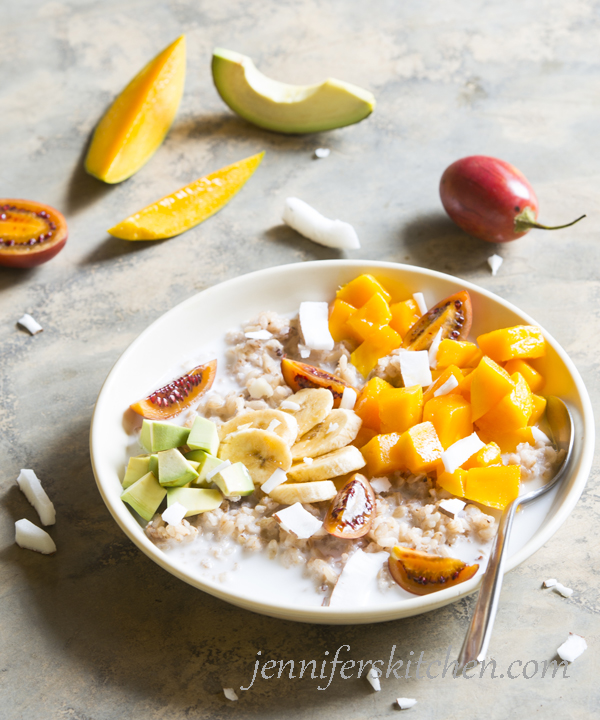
pixel 234 480
pixel 204 436
pixel 173 469
pixel 144 496
pixel 154 464
pixel 196 500
pixel 137 467
pixel 206 463
pixel 157 436
pixel 194 464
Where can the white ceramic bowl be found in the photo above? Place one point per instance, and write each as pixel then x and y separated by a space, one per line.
pixel 205 317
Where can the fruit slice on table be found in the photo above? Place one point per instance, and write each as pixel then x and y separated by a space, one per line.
pixel 136 123
pixel 453 315
pixel 286 108
pixel 179 394
pixel 188 206
pixel 30 233
pixel 351 512
pixel 420 573
pixel 300 375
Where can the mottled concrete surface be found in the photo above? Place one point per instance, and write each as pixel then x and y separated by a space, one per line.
pixel 100 632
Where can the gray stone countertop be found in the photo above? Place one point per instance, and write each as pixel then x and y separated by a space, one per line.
pixel 98 631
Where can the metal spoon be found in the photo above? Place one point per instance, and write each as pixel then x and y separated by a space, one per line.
pixel 478 636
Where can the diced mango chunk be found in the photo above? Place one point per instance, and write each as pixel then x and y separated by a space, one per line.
pixel 404 315
pixel 489 384
pixel 495 486
pixel 534 379
pixel 452 482
pixel 367 403
pixel 539 408
pixel 364 435
pixel 374 314
pixel 451 418
pixel 457 352
pixel 360 290
pixel 508 441
pixel 440 379
pixel 380 343
pixel 378 455
pixel 400 408
pixel 339 313
pixel 419 449
pixel 521 341
pixel 512 412
pixel 488 455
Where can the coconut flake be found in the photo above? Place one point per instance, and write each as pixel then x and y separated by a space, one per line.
pixel 174 514
pixel 458 454
pixel 433 349
pixel 380 485
pixel 406 703
pixel 35 493
pixel 210 475
pixel 30 324
pixel 230 694
pixel 332 427
pixel 304 351
pixel 572 648
pixel 494 261
pixel 259 335
pixel 373 677
pixel 308 461
pixel 348 399
pixel 295 519
pixel 562 590
pixel 451 507
pixel 540 436
pixel 273 424
pixel 314 323
pixel 31 537
pixel 260 388
pixel 550 583
pixel 322 152
pixel 446 387
pixel 420 300
pixel 290 405
pixel 276 479
pixel 314 226
pixel 356 580
pixel 414 366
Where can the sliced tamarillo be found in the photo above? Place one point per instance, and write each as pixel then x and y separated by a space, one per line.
pixel 351 511
pixel 30 233
pixel 300 375
pixel 453 315
pixel 421 574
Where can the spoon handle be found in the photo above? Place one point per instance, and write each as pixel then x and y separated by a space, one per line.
pixel 479 633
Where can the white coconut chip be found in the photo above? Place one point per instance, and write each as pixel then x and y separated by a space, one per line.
pixel 289 405
pixel 30 324
pixel 273 424
pixel 35 493
pixel 332 426
pixel 322 152
pixel 357 579
pixel 550 583
pixel 230 694
pixel 210 475
pixel 451 507
pixel 373 678
pixel 259 335
pixel 433 349
pixel 304 351
pixel 420 300
pixel 348 399
pixel 295 519
pixel 276 479
pixel 380 485
pixel 308 461
pixel 494 261
pixel 562 590
pixel 414 366
pixel 406 703
pixel 540 436
pixel 314 323
pixel 572 648
pixel 458 454
pixel 316 227
pixel 446 387
pixel 31 537
pixel 174 514
pixel 259 388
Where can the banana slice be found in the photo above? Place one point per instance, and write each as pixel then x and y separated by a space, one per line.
pixel 280 423
pixel 337 430
pixel 309 492
pixel 261 451
pixel 315 406
pixel 336 463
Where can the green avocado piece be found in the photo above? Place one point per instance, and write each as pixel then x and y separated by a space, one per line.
pixel 154 464
pixel 286 108
pixel 234 480
pixel 174 470
pixel 137 467
pixel 206 463
pixel 196 500
pixel 157 436
pixel 204 436
pixel 144 496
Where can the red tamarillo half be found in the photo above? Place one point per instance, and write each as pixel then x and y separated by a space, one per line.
pixel 30 233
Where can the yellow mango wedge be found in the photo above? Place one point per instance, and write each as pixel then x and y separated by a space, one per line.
pixel 135 125
pixel 189 205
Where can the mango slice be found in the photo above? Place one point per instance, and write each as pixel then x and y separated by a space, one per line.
pixel 452 482
pixel 380 343
pixel 539 408
pixel 400 408
pixel 367 403
pixel 442 377
pixel 495 486
pixel 339 314
pixel 378 455
pixel 520 341
pixel 534 379
pixel 512 412
pixel 374 314
pixel 404 315
pixel 458 352
pixel 136 123
pixel 451 418
pixel 489 384
pixel 360 290
pixel 188 206
pixel 418 449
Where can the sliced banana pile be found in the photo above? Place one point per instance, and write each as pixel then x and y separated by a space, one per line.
pixel 306 427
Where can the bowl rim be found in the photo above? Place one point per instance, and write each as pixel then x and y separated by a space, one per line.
pixel 384 612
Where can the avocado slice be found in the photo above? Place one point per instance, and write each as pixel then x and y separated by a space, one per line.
pixel 157 436
pixel 144 496
pixel 291 109
pixel 195 500
pixel 174 470
pixel 234 480
pixel 204 436
pixel 137 467
pixel 206 463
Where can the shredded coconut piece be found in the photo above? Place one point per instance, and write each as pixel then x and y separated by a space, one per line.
pixel 230 694
pixel 31 537
pixel 304 351
pixel 562 590
pixel 289 405
pixel 276 479
pixel 420 300
pixel 259 335
pixel 273 424
pixel 572 648
pixel 414 366
pixel 316 227
pixel 380 485
pixel 539 436
pixel 174 514
pixel 30 324
pixel 322 152
pixel 373 677
pixel 260 388
pixel 32 488
pixel 332 426
pixel 461 451
pixel 295 519
pixel 451 507
pixel 446 387
pixel 308 461
pixel 348 398
pixel 314 323
pixel 494 261
pixel 550 583
pixel 210 475
pixel 433 349
pixel 406 703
